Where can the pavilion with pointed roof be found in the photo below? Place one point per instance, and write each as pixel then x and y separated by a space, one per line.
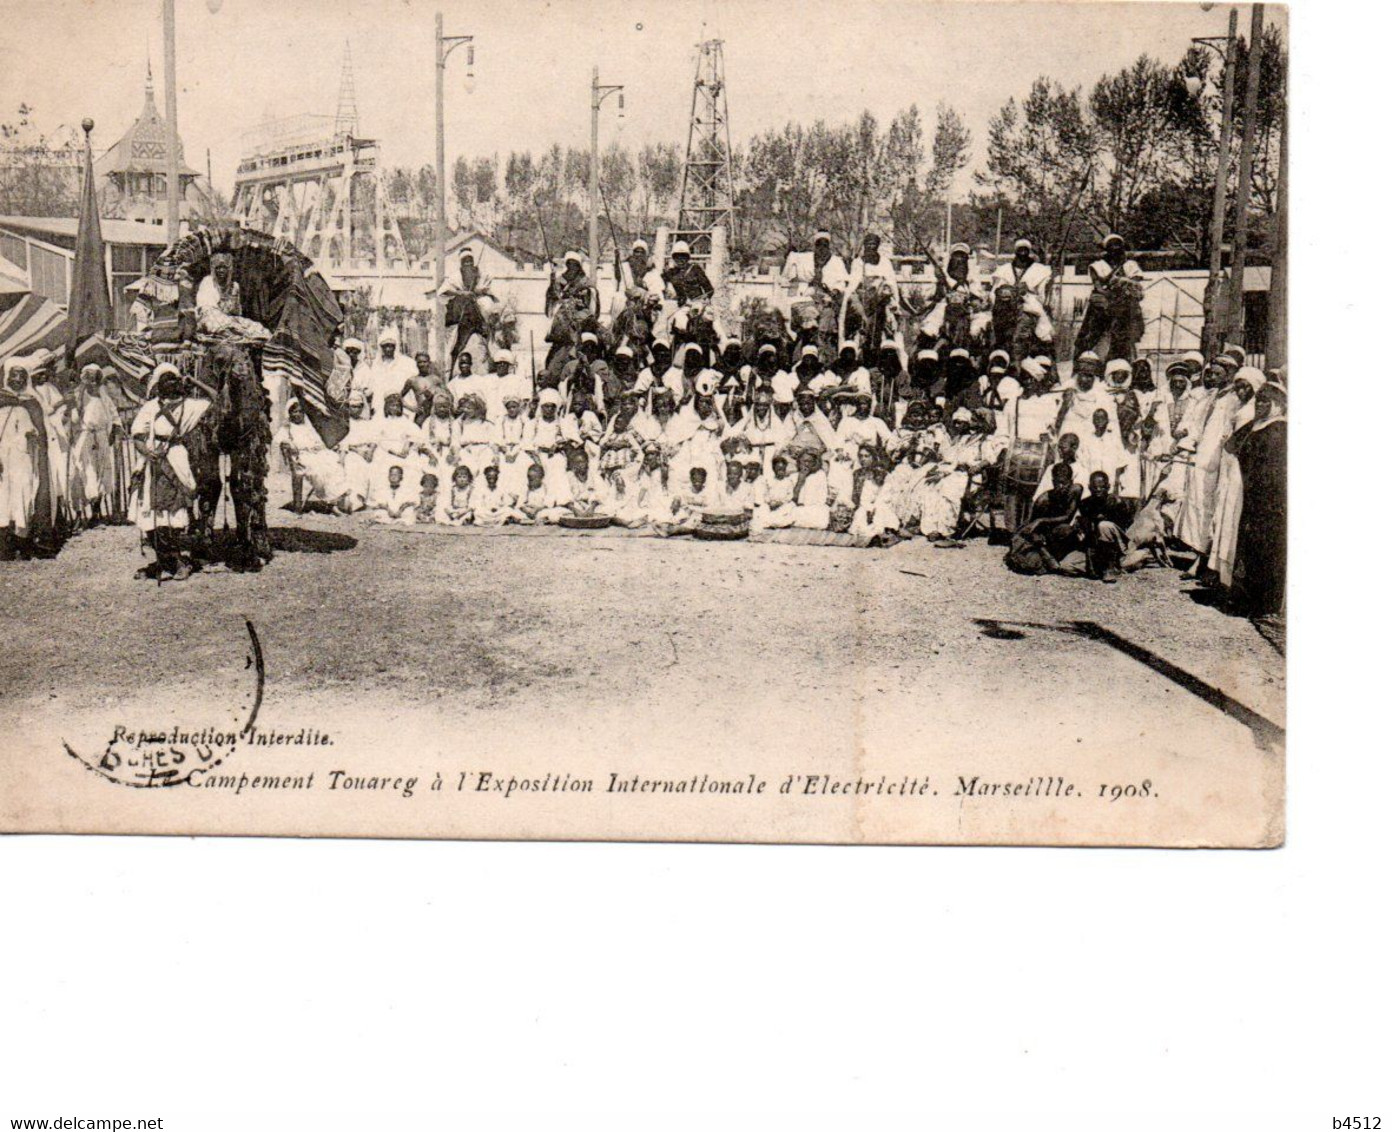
pixel 133 171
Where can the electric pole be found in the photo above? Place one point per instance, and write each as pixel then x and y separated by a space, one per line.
pixel 1236 313
pixel 1212 332
pixel 598 94
pixel 444 45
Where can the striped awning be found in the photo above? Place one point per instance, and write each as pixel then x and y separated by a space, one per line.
pixel 33 323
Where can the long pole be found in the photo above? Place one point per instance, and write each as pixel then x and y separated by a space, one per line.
pixel 594 178
pixel 440 193
pixel 171 115
pixel 1212 333
pixel 1276 324
pixel 1236 328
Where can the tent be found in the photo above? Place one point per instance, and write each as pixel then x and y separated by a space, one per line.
pixel 34 323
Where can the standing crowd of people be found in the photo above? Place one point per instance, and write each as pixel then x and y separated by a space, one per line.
pixel 65 454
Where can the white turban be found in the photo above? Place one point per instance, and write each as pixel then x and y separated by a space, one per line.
pixel 549 397
pixel 681 247
pixel 503 356
pixel 1252 376
pixel 389 335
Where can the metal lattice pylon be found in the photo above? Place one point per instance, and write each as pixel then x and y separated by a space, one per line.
pixel 708 187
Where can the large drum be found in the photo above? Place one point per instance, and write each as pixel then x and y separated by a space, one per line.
pixel 1025 461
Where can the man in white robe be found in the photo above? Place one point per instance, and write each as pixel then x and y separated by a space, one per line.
pixel 92 461
pixel 60 425
pixel 1023 272
pixel 316 469
pixel 163 481
pixel 21 459
pixel 357 449
pixel 389 373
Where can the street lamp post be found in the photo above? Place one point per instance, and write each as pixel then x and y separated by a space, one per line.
pixel 598 94
pixel 444 46
pixel 1212 333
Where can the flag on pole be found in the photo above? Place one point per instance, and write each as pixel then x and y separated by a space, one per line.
pixel 89 301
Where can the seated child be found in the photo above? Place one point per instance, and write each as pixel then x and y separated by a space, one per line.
pixel 395 502
pixel 1051 542
pixel 535 502
pixel 733 490
pixel 648 500
pixel 428 505
pixel 582 496
pixel 492 505
pixel 458 509
pixel 1103 518
pixel 778 494
pixel 810 508
pixel 689 504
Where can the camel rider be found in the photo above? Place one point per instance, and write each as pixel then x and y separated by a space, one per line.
pixel 1024 272
pixel 463 309
pixel 873 263
pixel 218 303
pixel 1025 280
pixel 1114 265
pixel 690 289
pixel 571 287
pixel 218 290
pixel 1116 287
pixel 686 281
pixel 819 274
pixel 639 271
pixel 587 372
pixel 640 282
pixel 958 288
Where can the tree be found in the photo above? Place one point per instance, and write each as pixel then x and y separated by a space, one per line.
pixel 39 175
pixel 1042 158
pixel 1137 139
pixel 918 212
pixel 785 179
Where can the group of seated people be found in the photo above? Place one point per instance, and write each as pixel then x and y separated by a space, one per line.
pixel 659 447
pixel 883 451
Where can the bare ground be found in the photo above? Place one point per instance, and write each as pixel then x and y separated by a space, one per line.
pixel 638 644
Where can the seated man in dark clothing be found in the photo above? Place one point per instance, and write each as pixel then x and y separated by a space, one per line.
pixel 686 281
pixel 1103 519
pixel 1052 541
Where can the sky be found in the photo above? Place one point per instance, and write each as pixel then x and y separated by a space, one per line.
pixel 800 60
